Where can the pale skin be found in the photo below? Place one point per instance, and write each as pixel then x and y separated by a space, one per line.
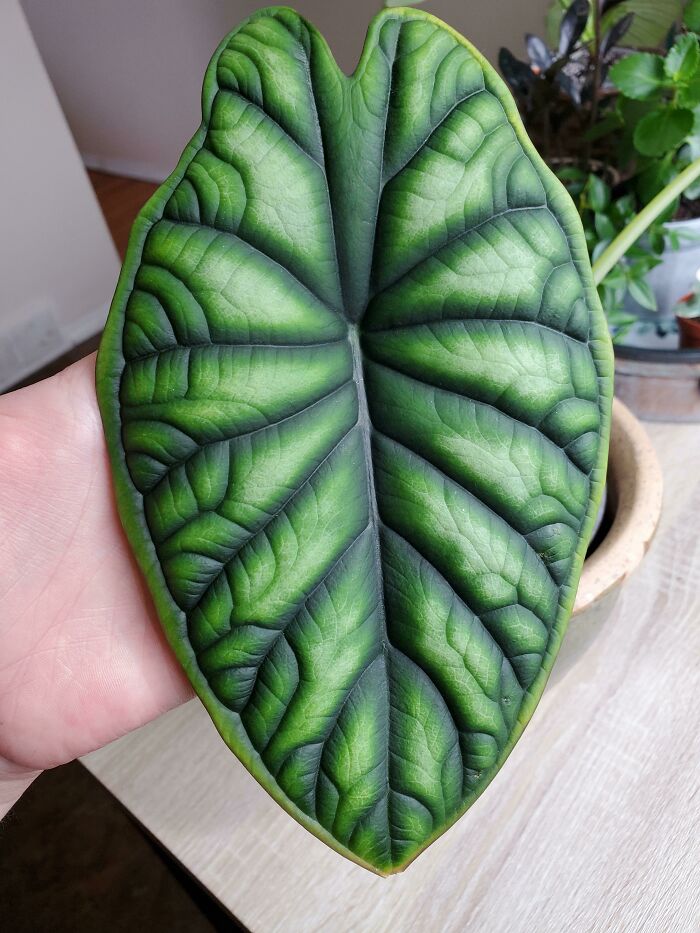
pixel 82 656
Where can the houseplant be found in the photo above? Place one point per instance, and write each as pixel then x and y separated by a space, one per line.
pixel 620 127
pixel 356 387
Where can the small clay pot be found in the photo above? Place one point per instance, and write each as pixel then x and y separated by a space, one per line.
pixel 688 332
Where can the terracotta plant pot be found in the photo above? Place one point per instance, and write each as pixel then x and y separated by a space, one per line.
pixel 631 516
pixel 688 332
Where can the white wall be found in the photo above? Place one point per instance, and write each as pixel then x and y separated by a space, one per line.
pixel 58 265
pixel 129 72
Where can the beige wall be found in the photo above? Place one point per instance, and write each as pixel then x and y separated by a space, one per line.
pixel 58 265
pixel 128 72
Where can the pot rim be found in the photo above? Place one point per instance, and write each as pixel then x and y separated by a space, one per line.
pixel 635 491
pixel 678 224
pixel 646 355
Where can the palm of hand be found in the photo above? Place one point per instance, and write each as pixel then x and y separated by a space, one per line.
pixel 82 656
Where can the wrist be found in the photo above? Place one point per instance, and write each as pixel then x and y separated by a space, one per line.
pixel 14 780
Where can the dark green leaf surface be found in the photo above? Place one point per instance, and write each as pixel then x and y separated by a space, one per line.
pixel 356 387
pixel 691 15
pixel 662 130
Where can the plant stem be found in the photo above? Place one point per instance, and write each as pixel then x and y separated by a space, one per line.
pixel 547 133
pixel 644 219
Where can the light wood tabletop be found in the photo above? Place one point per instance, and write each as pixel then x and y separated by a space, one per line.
pixel 593 824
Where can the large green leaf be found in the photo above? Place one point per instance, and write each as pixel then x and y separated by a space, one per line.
pixel 356 387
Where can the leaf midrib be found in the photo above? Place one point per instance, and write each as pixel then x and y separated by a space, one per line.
pixel 364 425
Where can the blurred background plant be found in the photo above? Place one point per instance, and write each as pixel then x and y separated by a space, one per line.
pixel 652 20
pixel 612 100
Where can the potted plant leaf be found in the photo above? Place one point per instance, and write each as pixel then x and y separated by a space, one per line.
pixel 619 125
pixel 652 20
pixel 358 445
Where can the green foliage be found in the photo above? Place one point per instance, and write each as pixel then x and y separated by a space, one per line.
pixel 639 76
pixel 662 131
pixel 631 119
pixel 681 63
pixel 653 19
pixel 672 81
pixel 689 153
pixel 670 87
pixel 356 390
pixel 604 216
pixel 691 15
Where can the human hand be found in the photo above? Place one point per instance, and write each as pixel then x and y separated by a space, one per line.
pixel 82 656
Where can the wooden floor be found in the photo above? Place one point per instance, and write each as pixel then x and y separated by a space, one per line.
pixel 120 199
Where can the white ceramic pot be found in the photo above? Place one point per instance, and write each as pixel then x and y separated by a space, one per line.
pixel 675 276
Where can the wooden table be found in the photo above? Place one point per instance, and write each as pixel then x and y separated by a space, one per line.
pixel 593 824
